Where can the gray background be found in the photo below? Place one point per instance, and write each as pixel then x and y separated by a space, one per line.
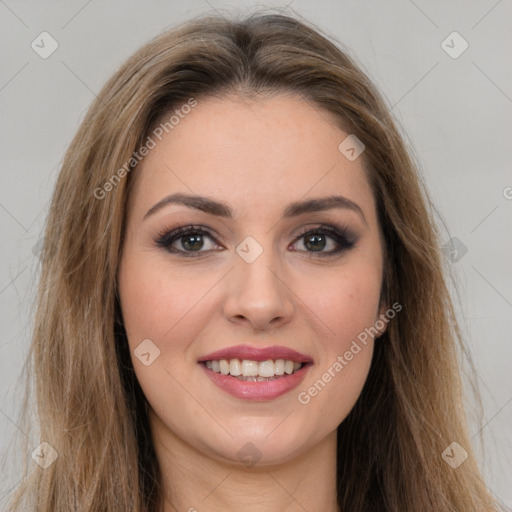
pixel 456 113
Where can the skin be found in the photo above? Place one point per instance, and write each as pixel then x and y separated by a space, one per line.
pixel 258 156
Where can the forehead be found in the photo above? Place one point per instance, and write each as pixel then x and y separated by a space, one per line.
pixel 252 154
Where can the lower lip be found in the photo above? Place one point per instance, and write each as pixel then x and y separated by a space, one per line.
pixel 264 390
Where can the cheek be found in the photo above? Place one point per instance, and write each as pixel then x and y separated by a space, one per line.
pixel 156 302
pixel 346 301
pixel 160 305
pixel 347 304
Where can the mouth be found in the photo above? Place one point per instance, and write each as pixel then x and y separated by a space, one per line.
pixel 252 373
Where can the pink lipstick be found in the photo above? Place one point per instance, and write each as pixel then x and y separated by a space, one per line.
pixel 254 373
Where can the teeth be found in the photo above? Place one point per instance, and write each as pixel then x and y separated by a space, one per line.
pixel 266 368
pixel 279 367
pixel 235 367
pixel 249 368
pixel 224 366
pixel 254 370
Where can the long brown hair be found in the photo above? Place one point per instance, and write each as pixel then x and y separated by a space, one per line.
pixel 90 407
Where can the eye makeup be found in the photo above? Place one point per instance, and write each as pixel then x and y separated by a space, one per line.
pixel 194 236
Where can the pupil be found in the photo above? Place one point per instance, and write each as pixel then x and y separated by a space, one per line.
pixel 316 242
pixel 191 240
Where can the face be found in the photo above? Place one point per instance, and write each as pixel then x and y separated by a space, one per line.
pixel 267 269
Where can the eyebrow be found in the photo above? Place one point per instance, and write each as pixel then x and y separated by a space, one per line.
pixel 221 209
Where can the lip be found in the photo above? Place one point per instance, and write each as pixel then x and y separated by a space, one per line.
pixel 265 390
pixel 257 354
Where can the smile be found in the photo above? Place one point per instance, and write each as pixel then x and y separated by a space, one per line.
pixel 256 387
pixel 255 371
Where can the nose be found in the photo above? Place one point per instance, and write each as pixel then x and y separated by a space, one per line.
pixel 258 294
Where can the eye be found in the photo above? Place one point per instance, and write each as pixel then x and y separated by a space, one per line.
pixel 335 240
pixel 189 240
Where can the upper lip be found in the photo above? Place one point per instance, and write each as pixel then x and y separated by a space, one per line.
pixel 257 354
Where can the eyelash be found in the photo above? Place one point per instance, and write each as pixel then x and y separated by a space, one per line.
pixel 343 236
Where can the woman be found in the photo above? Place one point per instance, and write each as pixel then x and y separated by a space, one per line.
pixel 242 304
